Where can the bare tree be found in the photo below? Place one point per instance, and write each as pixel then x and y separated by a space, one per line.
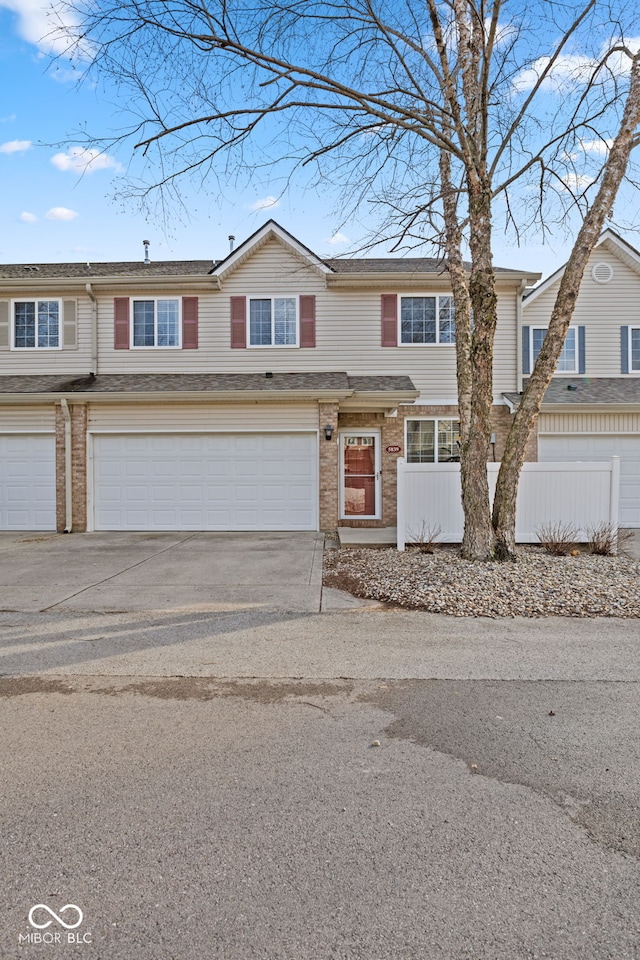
pixel 441 112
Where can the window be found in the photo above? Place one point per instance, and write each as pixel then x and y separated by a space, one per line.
pixel 568 359
pixel 427 320
pixel 634 349
pixel 433 441
pixel 36 324
pixel 156 323
pixel 273 322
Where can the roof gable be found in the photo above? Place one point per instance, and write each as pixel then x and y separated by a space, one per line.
pixel 608 239
pixel 270 231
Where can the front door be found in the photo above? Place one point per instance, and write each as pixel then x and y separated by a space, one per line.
pixel 360 476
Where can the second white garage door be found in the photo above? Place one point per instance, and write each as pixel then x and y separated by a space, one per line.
pixel 27 482
pixel 603 448
pixel 265 481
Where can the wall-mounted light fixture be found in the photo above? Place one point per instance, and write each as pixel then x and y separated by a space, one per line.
pixel 328 431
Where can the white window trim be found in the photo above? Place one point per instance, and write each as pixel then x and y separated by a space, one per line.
pixel 556 372
pixel 273 346
pixel 632 370
pixel 435 420
pixel 417 295
pixel 155 346
pixel 12 320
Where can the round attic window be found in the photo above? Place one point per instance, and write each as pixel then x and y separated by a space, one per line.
pixel 602 272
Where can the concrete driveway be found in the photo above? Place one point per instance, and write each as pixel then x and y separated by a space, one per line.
pixel 125 572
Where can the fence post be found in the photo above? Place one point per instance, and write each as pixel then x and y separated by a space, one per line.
pixel 614 500
pixel 401 508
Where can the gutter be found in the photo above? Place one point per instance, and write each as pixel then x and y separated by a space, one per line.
pixel 94 330
pixel 133 283
pixel 68 498
pixel 222 396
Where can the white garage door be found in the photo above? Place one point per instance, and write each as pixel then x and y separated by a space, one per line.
pixel 27 482
pixel 206 482
pixel 603 448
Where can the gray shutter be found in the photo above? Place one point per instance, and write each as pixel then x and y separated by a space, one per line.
pixel 582 354
pixel 526 352
pixel 4 324
pixel 624 349
pixel 69 323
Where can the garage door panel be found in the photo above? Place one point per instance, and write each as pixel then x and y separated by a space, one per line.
pixel 27 482
pixel 569 448
pixel 206 482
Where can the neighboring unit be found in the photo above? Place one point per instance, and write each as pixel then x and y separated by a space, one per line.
pixel 591 410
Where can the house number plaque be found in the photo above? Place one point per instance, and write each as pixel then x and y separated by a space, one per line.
pixel 393 448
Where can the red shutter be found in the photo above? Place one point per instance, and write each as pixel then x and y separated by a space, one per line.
pixel 307 321
pixel 189 323
pixel 389 303
pixel 238 323
pixel 121 323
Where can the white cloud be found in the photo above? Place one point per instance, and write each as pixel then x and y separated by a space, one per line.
pixel 338 239
pixel 600 147
pixel 9 118
pixel 84 160
pixel 27 217
pixel 51 28
pixel 577 181
pixel 266 203
pixel 566 71
pixel 61 213
pixel 15 146
pixel 569 69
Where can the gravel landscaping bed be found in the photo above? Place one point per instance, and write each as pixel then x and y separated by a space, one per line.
pixel 537 585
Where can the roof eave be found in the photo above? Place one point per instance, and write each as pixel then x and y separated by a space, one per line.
pixel 413 278
pixel 20 284
pixel 220 396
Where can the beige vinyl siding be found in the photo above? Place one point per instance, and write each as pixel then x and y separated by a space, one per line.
pixel 72 360
pixel 589 423
pixel 602 308
pixel 347 332
pixel 199 417
pixel 28 419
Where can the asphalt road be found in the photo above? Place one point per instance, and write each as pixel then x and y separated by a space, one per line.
pixel 199 817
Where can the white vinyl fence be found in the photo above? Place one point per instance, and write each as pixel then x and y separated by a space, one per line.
pixel 581 494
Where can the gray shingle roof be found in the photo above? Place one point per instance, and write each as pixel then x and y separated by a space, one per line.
pixel 163 268
pixel 402 265
pixel 382 384
pixel 112 383
pixel 588 390
pixel 203 268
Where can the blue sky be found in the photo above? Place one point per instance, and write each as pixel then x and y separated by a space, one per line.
pixel 52 211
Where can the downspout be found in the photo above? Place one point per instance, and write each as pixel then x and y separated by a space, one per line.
pixel 521 289
pixel 94 330
pixel 68 499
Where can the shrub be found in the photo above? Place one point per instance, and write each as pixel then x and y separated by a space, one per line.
pixel 607 539
pixel 558 539
pixel 426 538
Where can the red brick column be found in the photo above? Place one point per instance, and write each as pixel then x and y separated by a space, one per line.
pixel 328 460
pixel 78 413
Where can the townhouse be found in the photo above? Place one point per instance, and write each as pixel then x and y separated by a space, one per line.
pixel 270 390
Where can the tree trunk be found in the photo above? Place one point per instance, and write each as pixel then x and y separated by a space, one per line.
pixel 478 538
pixel 504 513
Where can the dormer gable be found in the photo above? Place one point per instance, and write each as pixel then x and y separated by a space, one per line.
pixel 269 231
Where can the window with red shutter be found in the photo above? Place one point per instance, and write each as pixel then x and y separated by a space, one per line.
pixel 121 323
pixel 189 323
pixel 238 323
